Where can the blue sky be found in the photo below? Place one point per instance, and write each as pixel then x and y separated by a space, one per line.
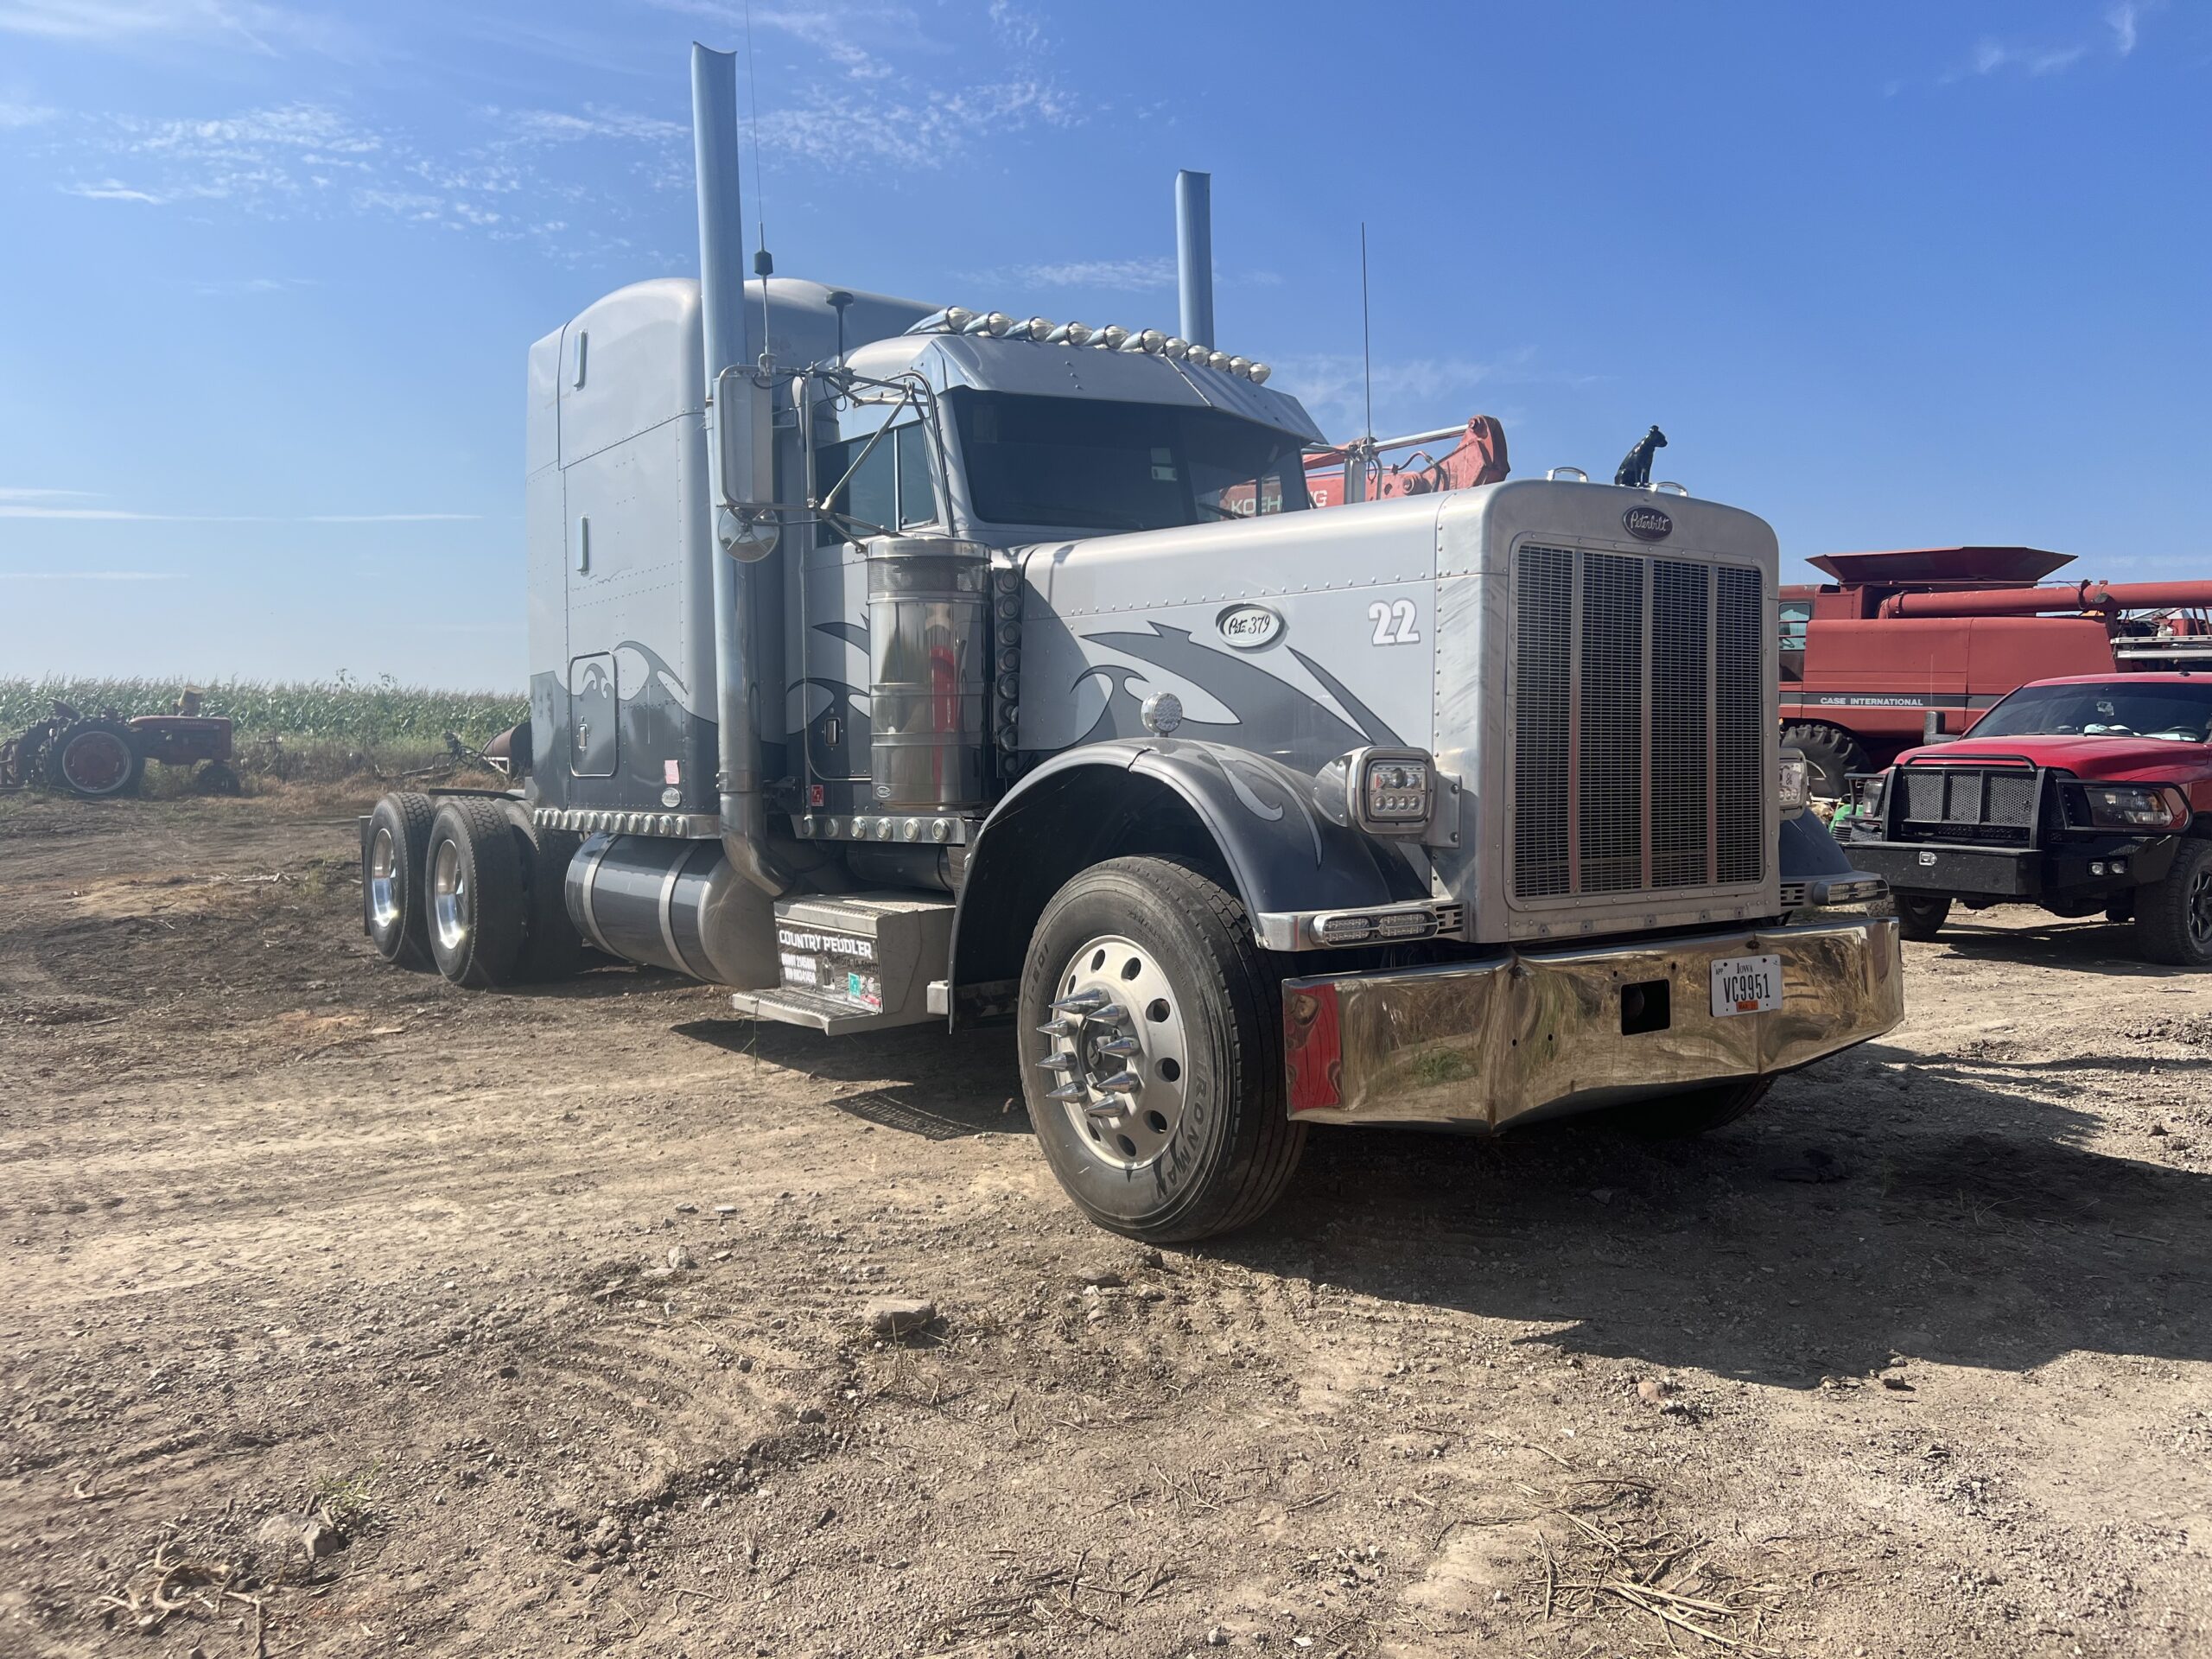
pixel 1887 274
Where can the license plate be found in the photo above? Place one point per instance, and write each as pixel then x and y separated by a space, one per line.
pixel 1746 985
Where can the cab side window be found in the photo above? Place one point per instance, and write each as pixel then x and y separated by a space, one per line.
pixel 893 488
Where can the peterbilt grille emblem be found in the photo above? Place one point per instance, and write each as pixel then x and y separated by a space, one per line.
pixel 1648 524
pixel 1248 628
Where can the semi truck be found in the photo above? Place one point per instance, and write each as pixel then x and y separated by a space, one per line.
pixel 893 663
pixel 1916 643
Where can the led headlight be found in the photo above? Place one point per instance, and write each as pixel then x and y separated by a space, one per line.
pixel 1392 791
pixel 1795 787
pixel 2131 807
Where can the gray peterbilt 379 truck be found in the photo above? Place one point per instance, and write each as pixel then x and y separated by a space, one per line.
pixel 894 664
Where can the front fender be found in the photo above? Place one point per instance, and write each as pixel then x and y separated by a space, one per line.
pixel 1280 852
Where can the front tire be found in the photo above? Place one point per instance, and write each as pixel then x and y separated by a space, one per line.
pixel 2173 917
pixel 476 901
pixel 1921 915
pixel 1151 1053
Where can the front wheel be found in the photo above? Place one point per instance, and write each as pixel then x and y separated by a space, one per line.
pixel 1151 1053
pixel 2173 917
pixel 1921 915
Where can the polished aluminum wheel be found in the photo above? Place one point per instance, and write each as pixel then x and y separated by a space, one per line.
pixel 1118 1059
pixel 449 896
pixel 384 880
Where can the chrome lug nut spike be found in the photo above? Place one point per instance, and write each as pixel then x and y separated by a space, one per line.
pixel 1081 1002
pixel 1113 1013
pixel 1122 1082
pixel 1060 1063
pixel 1069 1092
pixel 1066 1026
pixel 1120 1046
pixel 1106 1110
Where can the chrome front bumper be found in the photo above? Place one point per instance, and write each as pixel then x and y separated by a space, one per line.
pixel 1530 1035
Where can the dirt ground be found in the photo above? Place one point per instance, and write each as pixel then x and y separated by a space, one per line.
pixel 349 1314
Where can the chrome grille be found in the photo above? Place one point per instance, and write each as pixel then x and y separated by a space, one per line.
pixel 1544 653
pixel 1641 743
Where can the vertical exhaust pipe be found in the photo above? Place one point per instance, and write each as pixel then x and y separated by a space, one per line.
pixel 729 341
pixel 1194 254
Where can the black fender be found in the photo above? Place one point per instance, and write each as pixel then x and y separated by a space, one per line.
pixel 1808 852
pixel 1250 818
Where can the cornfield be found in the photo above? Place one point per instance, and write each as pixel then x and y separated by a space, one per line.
pixel 292 729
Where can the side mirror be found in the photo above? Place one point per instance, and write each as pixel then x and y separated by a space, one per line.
pixel 746 524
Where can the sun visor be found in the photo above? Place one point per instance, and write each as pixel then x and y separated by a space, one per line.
pixel 988 364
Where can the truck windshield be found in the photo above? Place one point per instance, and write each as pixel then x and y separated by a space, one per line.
pixel 1092 465
pixel 2105 708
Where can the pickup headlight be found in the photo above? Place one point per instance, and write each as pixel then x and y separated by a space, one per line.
pixel 2123 806
pixel 1866 793
pixel 1391 791
pixel 1795 788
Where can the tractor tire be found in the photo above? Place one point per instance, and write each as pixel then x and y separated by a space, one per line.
pixel 216 779
pixel 552 947
pixel 394 913
pixel 1921 915
pixel 1830 753
pixel 1692 1113
pixel 475 896
pixel 2173 917
pixel 1151 1053
pixel 97 759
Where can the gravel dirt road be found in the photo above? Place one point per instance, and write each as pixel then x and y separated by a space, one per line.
pixel 349 1314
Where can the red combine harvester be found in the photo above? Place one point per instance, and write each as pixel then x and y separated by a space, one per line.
pixel 1356 472
pixel 1904 646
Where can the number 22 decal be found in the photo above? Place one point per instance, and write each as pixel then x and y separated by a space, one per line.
pixel 1394 622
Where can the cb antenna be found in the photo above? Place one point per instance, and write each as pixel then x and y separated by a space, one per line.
pixel 764 263
pixel 1366 337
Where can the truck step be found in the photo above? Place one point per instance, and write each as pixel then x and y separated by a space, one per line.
pixel 856 960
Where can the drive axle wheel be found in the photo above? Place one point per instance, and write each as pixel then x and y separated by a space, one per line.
pixel 2173 917
pixel 1151 1053
pixel 97 759
pixel 392 850
pixel 475 892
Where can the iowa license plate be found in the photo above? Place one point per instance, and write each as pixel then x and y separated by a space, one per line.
pixel 1746 985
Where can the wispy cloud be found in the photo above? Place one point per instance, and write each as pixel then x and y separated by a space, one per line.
pixel 121 515
pixel 2123 22
pixel 1116 276
pixel 92 576
pixel 13 114
pixel 110 190
pixel 24 492
pixel 249 25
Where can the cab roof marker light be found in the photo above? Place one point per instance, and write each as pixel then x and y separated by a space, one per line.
pixel 1241 367
pixel 1259 374
pixel 994 323
pixel 1035 328
pixel 1111 336
pixel 1175 347
pixel 957 317
pixel 1217 360
pixel 1149 341
pixel 1069 333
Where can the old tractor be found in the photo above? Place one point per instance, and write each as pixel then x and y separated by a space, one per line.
pixel 103 756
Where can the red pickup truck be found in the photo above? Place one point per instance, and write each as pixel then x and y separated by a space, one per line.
pixel 2079 795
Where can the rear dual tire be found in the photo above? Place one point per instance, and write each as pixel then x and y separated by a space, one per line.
pixel 468 887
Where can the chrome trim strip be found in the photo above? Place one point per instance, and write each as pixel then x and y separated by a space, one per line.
pixel 676 826
pixel 667 907
pixel 1294 929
